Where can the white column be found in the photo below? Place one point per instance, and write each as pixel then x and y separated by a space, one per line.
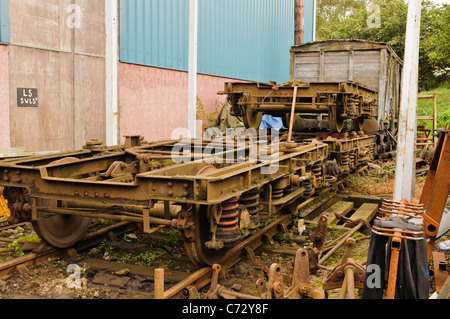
pixel 192 85
pixel 112 59
pixel 405 172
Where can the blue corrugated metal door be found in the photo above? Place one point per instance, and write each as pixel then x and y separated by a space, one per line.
pixel 242 39
pixel 310 20
pixel 4 21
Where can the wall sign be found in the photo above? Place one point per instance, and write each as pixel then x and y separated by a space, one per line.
pixel 27 97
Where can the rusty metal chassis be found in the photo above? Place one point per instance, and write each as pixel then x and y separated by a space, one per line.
pixel 126 183
pixel 78 181
pixel 312 97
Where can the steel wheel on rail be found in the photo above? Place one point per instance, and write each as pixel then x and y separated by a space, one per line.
pixel 335 120
pixel 358 124
pixel 61 231
pixel 251 117
pixel 196 249
pixel 58 230
pixel 195 245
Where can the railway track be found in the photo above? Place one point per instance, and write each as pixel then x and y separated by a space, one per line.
pixel 202 277
pixel 45 252
pixel 199 279
pixel 183 286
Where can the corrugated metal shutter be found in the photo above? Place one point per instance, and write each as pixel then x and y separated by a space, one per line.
pixel 4 21
pixel 242 39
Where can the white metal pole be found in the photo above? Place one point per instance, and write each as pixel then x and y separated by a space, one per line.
pixel 192 85
pixel 407 136
pixel 112 59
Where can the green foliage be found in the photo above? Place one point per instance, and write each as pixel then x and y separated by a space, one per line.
pixel 345 19
pixel 425 107
pixel 16 249
pixel 204 115
pixel 148 257
pixel 173 238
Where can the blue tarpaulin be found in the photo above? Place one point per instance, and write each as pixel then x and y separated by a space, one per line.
pixel 268 121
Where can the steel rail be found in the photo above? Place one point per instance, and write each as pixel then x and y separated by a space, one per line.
pixel 202 277
pixel 30 260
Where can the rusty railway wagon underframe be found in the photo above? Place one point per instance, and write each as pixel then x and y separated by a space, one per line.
pixel 213 205
pixel 338 101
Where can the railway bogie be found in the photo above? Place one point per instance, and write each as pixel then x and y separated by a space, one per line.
pixel 337 102
pixel 221 199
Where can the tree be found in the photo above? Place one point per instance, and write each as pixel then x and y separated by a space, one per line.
pixel 352 23
pixel 436 43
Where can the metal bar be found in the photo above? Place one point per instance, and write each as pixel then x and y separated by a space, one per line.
pixel 393 268
pixel 299 108
pixel 200 275
pixel 344 240
pixel 350 279
pixel 436 189
pixel 151 220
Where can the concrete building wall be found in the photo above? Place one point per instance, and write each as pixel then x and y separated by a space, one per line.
pixel 4 98
pixel 153 101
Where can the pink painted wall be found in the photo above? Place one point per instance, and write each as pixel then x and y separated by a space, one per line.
pixel 153 102
pixel 5 137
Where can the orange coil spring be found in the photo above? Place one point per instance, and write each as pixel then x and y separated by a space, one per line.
pixel 228 226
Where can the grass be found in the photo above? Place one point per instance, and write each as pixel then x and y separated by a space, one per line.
pixel 425 107
pixel 381 183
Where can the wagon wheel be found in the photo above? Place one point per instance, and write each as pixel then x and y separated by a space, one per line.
pixel 335 120
pixel 61 231
pixel 358 124
pixel 58 230
pixel 196 249
pixel 251 117
pixel 298 122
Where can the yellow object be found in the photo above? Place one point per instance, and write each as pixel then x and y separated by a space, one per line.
pixel 4 209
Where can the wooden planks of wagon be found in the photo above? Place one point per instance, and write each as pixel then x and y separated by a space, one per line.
pixel 336 101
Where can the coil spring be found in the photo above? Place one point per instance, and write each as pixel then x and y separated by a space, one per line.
pixel 309 190
pixel 345 161
pixel 352 160
pixel 250 201
pixel 317 171
pixel 228 226
pixel 277 193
